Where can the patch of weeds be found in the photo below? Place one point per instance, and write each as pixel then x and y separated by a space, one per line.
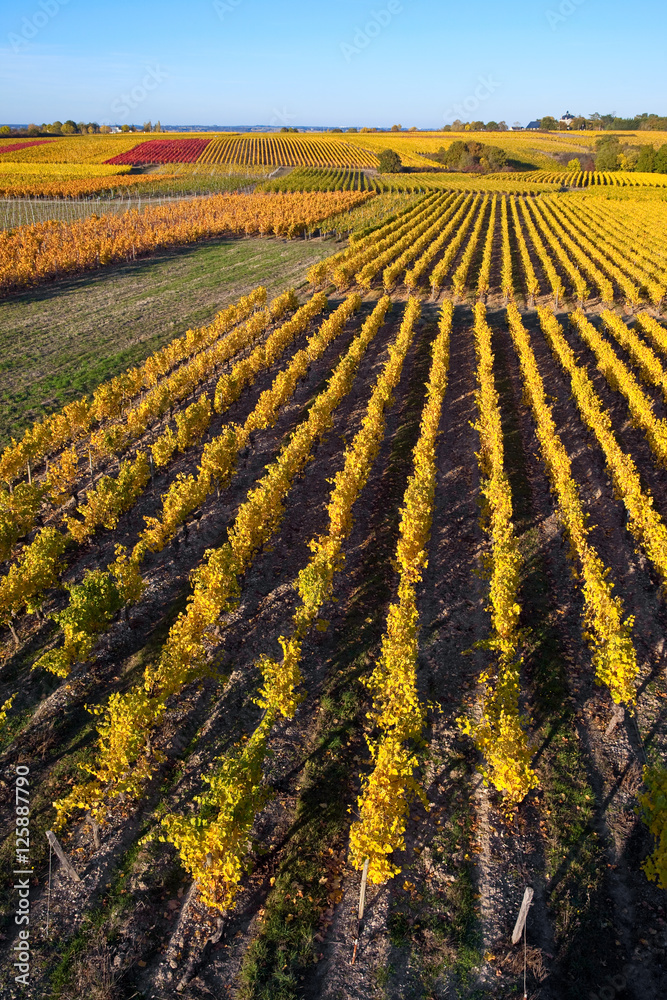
pixel 436 914
pixel 399 928
pixel 382 976
pixel 13 726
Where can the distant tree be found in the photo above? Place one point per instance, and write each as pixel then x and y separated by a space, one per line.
pixel 549 123
pixel 492 158
pixel 574 164
pixel 458 125
pixel 147 127
pixel 502 127
pixel 452 156
pixel 578 123
pixel 125 128
pixel 446 128
pixel 5 130
pixel 336 130
pixel 608 150
pixel 396 128
pixel 491 126
pixel 627 158
pixel 353 129
pixel 661 160
pixel 68 129
pixel 158 127
pixel 413 128
pixel 471 155
pixel 33 130
pixel 390 162
pixel 654 124
pixel 646 160
pixel 477 126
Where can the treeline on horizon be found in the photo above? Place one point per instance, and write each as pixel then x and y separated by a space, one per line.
pixel 71 127
pixel 596 122
pixel 611 154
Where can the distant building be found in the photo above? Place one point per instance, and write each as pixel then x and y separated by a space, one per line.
pixel 567 119
pixel 533 126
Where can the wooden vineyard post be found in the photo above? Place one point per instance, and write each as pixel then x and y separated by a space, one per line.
pixel 362 903
pixel 523 913
pixel 64 860
pixel 520 927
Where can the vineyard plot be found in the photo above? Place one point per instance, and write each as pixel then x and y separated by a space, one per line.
pixel 537 248
pixel 278 150
pixel 339 592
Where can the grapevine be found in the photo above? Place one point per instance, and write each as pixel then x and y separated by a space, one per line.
pixel 278 696
pixel 608 633
pixel 397 712
pixel 484 279
pixel 643 520
pixel 129 719
pixel 413 276
pixel 499 732
pixel 621 378
pixel 649 365
pixel 441 269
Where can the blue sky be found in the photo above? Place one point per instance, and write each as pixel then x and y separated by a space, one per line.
pixel 339 62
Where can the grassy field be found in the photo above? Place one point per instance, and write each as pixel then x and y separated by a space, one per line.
pixel 63 340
